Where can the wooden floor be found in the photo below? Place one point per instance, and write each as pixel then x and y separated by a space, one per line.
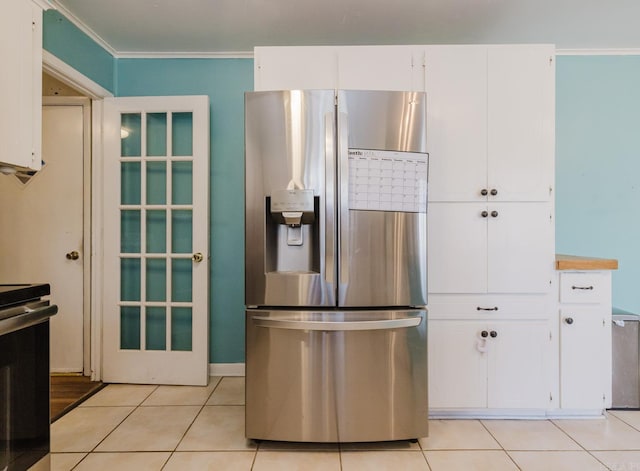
pixel 67 391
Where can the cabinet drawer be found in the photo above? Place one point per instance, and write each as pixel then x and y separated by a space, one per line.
pixel 583 287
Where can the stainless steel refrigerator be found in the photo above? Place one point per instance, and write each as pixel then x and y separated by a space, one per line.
pixel 336 265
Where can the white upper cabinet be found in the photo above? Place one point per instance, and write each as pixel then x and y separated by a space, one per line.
pixel 21 84
pixel 490 122
pixel 520 249
pixel 521 122
pixel 502 248
pixel 295 68
pixel 380 68
pixel 344 67
pixel 456 86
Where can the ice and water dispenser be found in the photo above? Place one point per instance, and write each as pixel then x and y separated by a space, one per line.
pixel 292 226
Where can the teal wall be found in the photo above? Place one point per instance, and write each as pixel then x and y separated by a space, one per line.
pixel 598 165
pixel 64 40
pixel 224 81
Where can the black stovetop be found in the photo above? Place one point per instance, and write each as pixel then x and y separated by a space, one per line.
pixel 11 295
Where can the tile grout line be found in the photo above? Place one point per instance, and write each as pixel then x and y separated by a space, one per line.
pixel 501 445
pixel 578 443
pixel 184 434
pixel 114 428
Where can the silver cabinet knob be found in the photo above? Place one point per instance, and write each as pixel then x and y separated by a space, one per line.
pixel 74 255
pixel 197 257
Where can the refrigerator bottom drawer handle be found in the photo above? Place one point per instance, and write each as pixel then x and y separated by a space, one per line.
pixel 336 326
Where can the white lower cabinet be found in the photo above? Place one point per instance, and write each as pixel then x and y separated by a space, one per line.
pixel 583 357
pixel 499 364
pixel 585 341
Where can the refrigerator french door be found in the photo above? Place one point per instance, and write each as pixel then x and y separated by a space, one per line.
pixel 336 222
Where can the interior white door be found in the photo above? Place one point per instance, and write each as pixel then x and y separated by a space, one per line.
pixel 42 221
pixel 156 225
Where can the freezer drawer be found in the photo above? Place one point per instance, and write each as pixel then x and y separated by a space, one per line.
pixel 332 376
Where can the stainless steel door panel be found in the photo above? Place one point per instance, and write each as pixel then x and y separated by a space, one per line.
pixel 289 145
pixel 320 381
pixel 385 120
pixel 383 254
pixel 383 259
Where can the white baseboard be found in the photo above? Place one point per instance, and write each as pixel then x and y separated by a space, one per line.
pixel 226 369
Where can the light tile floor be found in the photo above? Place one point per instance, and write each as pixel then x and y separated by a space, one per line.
pixel 175 428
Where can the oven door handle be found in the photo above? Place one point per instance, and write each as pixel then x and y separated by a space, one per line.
pixel 336 325
pixel 29 318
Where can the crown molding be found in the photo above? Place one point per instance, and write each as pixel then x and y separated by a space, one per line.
pixel 631 51
pixel 45 4
pixel 185 55
pixel 83 27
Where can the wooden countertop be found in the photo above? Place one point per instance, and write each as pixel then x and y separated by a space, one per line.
pixel 573 262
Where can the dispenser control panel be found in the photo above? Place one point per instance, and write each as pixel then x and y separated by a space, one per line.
pixel 292 200
pixel 293 207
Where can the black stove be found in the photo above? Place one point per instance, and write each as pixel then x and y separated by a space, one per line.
pixel 24 376
pixel 16 294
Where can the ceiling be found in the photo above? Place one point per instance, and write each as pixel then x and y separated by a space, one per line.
pixel 234 27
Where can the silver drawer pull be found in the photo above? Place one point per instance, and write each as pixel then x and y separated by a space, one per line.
pixel 582 287
pixel 340 325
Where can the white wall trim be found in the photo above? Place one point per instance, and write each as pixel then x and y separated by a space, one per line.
pixel 83 27
pixel 185 55
pixel 60 70
pixel 44 4
pixel 599 52
pixel 226 369
pixel 70 76
pixel 97 237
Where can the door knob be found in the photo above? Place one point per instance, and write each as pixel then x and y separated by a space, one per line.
pixel 493 334
pixel 569 320
pixel 484 334
pixel 197 257
pixel 494 192
pixel 494 214
pixel 74 255
pixel 484 192
pixel 484 214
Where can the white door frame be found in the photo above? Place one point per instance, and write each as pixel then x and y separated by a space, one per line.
pixel 93 203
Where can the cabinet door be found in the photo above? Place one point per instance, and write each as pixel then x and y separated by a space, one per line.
pixel 457 367
pixel 295 68
pixel 583 346
pixel 520 248
pixel 21 90
pixel 456 86
pixel 377 68
pixel 518 367
pixel 521 122
pixel 457 248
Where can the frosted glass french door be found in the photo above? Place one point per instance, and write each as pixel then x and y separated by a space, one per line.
pixel 156 198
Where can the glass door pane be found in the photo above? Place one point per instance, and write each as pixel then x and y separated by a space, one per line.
pixel 156 276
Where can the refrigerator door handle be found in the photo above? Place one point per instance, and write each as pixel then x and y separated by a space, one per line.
pixel 337 325
pixel 329 245
pixel 343 178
